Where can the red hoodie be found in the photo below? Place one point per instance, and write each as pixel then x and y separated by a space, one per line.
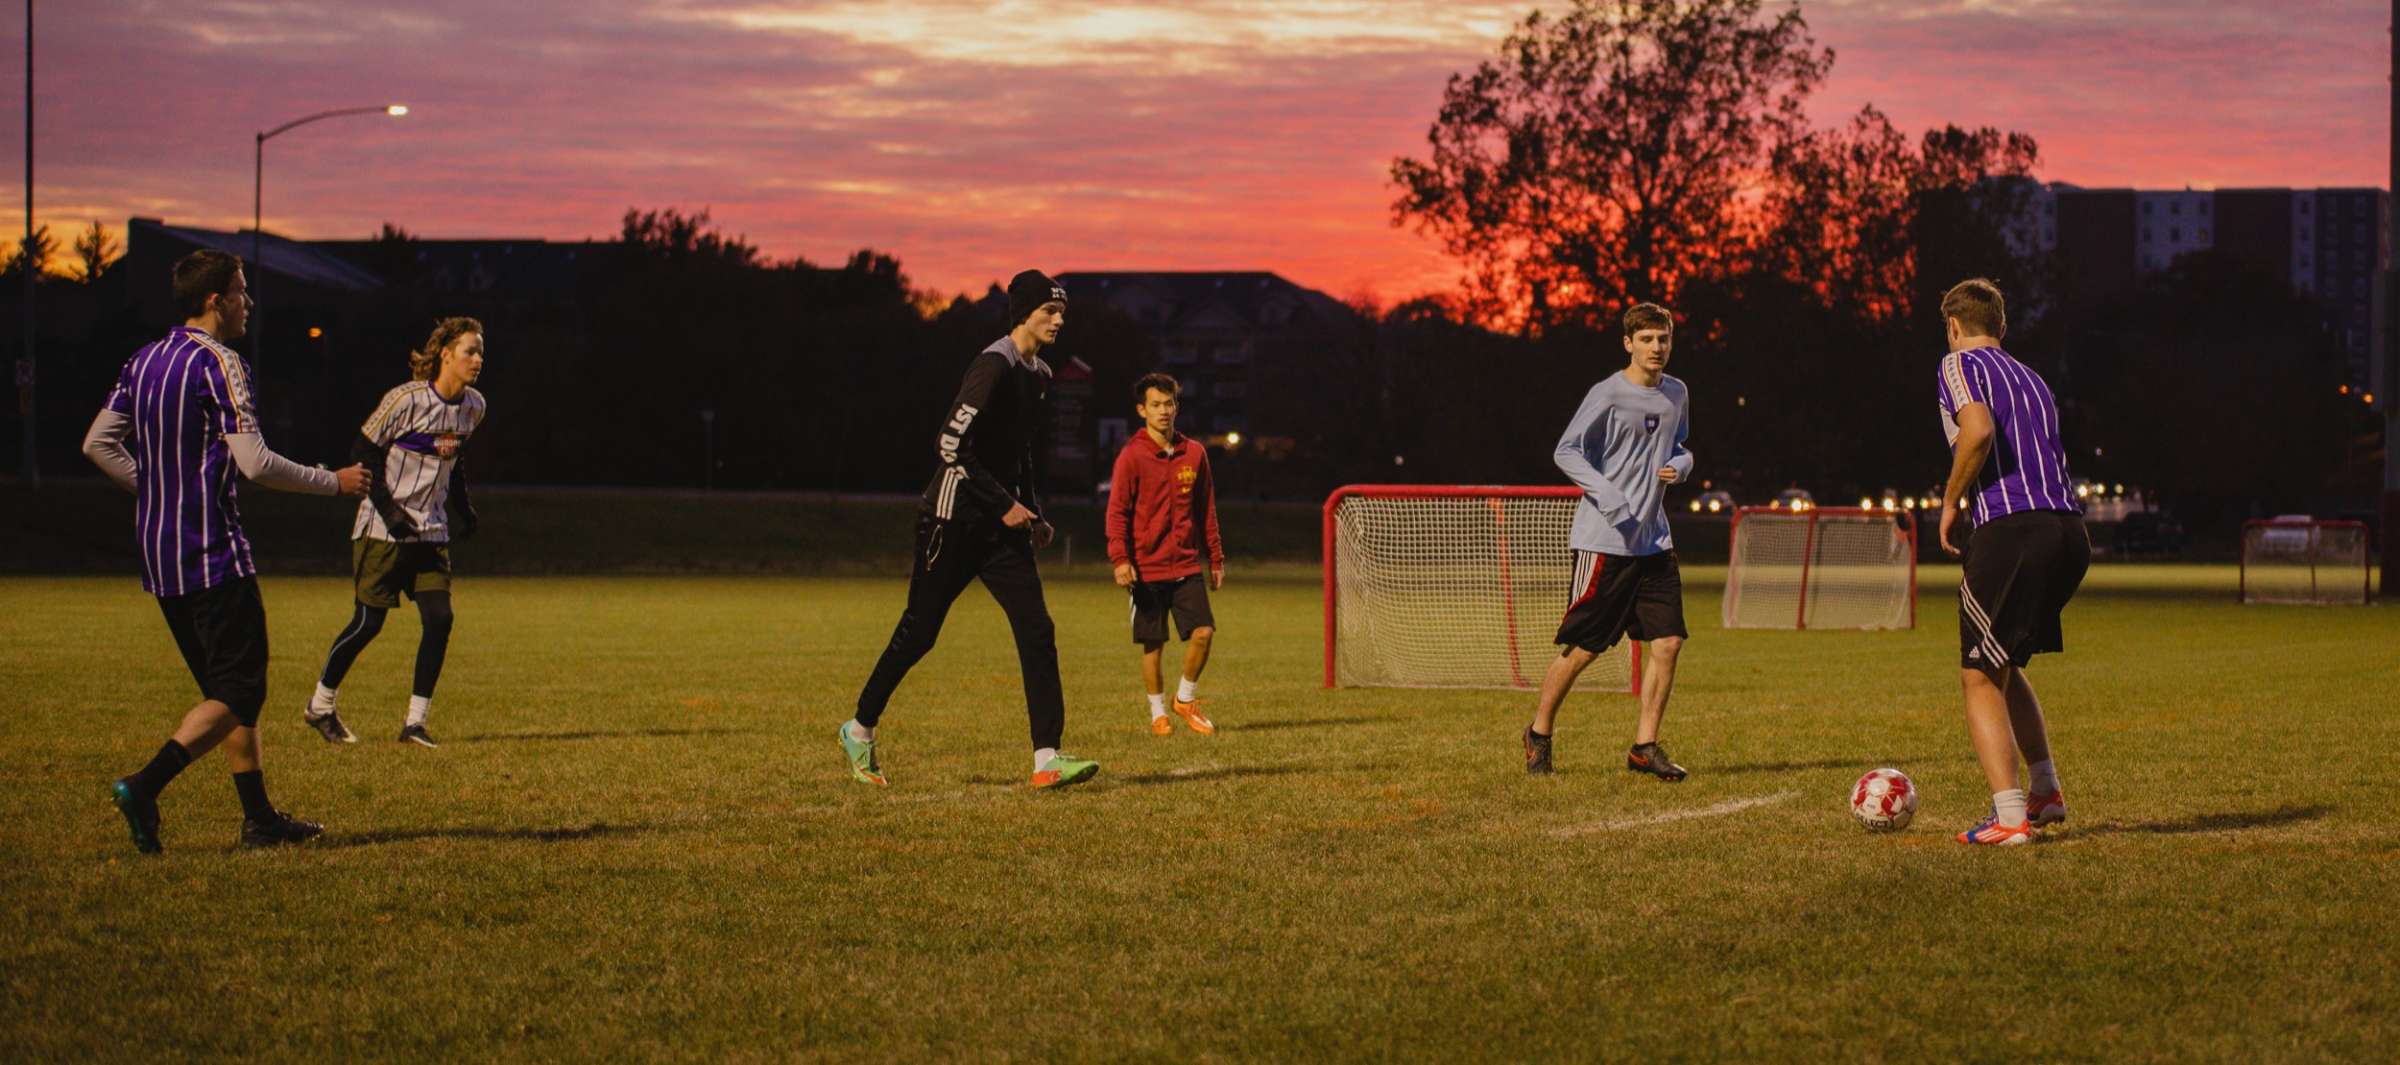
pixel 1155 499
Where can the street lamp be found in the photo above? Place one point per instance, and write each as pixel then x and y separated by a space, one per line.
pixel 258 182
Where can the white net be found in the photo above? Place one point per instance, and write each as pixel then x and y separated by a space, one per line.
pixel 1454 591
pixel 1826 568
pixel 2312 562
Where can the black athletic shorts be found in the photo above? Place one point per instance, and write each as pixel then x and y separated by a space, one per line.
pixel 2020 571
pixel 222 633
pixel 1637 597
pixel 1187 599
pixel 381 570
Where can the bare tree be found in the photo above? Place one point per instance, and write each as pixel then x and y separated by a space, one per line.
pixel 97 249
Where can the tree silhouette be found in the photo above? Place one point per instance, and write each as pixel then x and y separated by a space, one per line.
pixel 96 249
pixel 43 248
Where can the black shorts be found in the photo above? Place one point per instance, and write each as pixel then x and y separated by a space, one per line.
pixel 2020 571
pixel 222 633
pixel 1637 597
pixel 1187 599
pixel 381 569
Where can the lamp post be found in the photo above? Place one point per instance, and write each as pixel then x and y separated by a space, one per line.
pixel 258 184
pixel 32 463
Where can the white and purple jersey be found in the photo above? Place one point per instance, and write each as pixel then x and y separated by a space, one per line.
pixel 184 394
pixel 421 433
pixel 2027 468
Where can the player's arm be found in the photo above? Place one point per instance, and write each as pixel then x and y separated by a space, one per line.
pixel 460 505
pixel 1679 462
pixel 1574 461
pixel 265 468
pixel 1121 494
pixel 104 444
pixel 1967 454
pixel 957 439
pixel 1206 495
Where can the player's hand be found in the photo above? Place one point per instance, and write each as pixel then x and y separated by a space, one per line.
pixel 1124 574
pixel 1216 578
pixel 462 527
pixel 1017 517
pixel 350 480
pixel 1949 518
pixel 1667 475
pixel 1043 532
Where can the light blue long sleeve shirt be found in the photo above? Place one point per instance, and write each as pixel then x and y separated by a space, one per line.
pixel 1621 436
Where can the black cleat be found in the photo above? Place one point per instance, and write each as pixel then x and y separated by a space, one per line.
pixel 283 829
pixel 1537 754
pixel 329 725
pixel 1652 759
pixel 141 815
pixel 416 734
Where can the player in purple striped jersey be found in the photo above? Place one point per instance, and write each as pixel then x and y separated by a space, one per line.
pixel 2024 560
pixel 179 423
pixel 416 507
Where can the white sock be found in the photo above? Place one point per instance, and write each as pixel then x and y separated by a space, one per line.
pixel 2008 807
pixel 418 707
pixel 859 732
pixel 1044 756
pixel 1187 691
pixel 1158 704
pixel 2045 777
pixel 321 703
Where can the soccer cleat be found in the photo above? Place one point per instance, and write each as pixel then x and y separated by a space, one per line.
pixel 1065 770
pixel 1191 715
pixel 1652 759
pixel 1537 754
pixel 416 734
pixel 329 725
pixel 862 757
pixel 1989 832
pixel 280 830
pixel 2046 809
pixel 141 815
pixel 1162 725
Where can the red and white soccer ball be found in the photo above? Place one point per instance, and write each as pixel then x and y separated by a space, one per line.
pixel 1884 800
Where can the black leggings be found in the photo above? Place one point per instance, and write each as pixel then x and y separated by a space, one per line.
pixel 950 556
pixel 432 607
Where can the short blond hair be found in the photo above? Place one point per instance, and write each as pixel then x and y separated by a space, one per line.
pixel 1977 304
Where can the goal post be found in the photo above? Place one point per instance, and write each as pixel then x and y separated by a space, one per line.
pixel 1822 568
pixel 2318 563
pixel 1453 586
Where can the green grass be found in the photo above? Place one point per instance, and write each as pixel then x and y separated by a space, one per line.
pixel 638 842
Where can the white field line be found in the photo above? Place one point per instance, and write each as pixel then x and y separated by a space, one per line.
pixel 1719 810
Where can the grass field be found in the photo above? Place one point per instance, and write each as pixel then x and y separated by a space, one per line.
pixel 637 842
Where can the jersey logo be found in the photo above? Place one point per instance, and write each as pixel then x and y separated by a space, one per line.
pixel 1184 476
pixel 445 444
pixel 1649 423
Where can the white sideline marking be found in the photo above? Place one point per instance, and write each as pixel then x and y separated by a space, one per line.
pixel 1719 810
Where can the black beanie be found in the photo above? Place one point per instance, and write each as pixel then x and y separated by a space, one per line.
pixel 1027 292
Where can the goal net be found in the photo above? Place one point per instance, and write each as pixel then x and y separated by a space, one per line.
pixel 1822 568
pixel 2313 562
pixel 1452 586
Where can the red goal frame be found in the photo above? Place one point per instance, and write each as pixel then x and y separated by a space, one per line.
pixel 1907 521
pixel 2366 567
pixel 1489 492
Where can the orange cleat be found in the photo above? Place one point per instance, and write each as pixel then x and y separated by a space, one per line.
pixel 1191 715
pixel 1162 725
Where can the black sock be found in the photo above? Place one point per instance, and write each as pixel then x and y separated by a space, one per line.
pixel 153 778
pixel 252 787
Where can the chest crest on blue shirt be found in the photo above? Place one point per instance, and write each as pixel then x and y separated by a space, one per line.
pixel 1649 423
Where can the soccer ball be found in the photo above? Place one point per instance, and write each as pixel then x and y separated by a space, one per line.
pixel 1884 800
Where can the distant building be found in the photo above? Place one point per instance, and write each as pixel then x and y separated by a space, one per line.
pixel 1210 326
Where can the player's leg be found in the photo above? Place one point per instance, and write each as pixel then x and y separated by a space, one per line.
pixel 1994 611
pixel 372 563
pixel 1016 584
pixel 1658 621
pixel 433 608
pixel 1198 624
pixel 2045 803
pixel 1147 611
pixel 943 569
pixel 1597 614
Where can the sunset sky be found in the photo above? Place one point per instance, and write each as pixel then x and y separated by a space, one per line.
pixel 970 139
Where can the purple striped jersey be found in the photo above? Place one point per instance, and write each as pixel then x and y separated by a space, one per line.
pixel 2027 468
pixel 184 394
pixel 421 433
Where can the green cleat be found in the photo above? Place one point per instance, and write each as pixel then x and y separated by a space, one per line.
pixel 141 815
pixel 1065 770
pixel 862 757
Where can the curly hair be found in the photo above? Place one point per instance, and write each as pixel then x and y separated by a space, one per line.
pixel 426 362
